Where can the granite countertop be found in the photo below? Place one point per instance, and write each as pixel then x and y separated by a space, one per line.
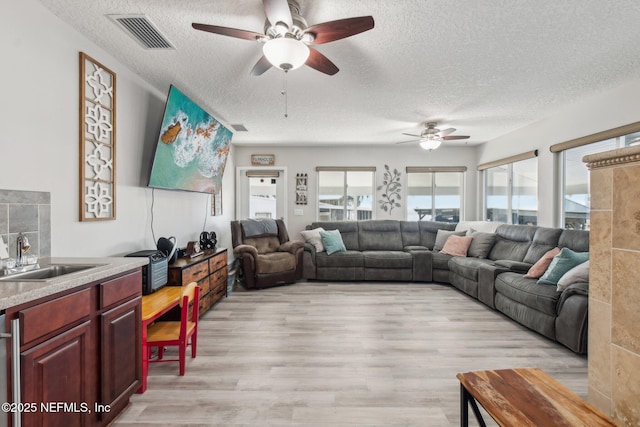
pixel 15 293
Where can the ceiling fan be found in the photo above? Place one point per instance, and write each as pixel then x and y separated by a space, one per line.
pixel 287 37
pixel 432 137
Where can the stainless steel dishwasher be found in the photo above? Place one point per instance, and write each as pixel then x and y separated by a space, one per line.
pixel 14 406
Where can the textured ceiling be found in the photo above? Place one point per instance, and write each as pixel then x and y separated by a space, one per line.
pixel 484 67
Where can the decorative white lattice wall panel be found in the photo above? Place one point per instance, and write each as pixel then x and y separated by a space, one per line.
pixel 97 141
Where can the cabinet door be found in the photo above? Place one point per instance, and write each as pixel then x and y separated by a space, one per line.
pixel 59 372
pixel 121 364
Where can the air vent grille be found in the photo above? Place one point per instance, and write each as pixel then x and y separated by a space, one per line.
pixel 239 128
pixel 143 31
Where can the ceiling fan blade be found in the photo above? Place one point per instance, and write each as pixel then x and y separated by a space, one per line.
pixel 446 131
pixel 321 63
pixel 261 66
pixel 452 137
pixel 231 32
pixel 405 142
pixel 340 29
pixel 410 134
pixel 278 11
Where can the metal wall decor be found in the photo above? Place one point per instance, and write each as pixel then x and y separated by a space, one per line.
pixel 302 189
pixel 391 188
pixel 97 141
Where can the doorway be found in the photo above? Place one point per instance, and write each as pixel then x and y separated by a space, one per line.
pixel 261 192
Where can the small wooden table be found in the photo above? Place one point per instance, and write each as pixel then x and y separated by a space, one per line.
pixel 153 306
pixel 525 397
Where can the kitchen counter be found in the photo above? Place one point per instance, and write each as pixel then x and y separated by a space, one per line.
pixel 15 293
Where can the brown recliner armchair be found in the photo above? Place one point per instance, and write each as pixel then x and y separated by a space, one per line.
pixel 265 254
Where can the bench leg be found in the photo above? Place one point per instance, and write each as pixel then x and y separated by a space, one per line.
pixel 465 400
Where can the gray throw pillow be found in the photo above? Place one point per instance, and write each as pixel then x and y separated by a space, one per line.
pixel 443 235
pixel 481 244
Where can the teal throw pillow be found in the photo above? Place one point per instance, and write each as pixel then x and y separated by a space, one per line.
pixel 561 263
pixel 332 241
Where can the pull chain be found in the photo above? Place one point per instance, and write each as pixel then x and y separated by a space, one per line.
pixel 284 92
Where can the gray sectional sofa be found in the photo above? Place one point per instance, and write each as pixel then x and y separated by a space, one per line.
pixel 388 250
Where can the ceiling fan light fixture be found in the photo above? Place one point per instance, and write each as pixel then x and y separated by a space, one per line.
pixel 430 143
pixel 286 53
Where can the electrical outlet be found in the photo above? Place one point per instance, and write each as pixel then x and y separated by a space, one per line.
pixel 298 212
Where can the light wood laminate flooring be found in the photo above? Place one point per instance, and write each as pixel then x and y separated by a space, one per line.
pixel 320 354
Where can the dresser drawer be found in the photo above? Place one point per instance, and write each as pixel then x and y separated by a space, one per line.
pixel 204 285
pixel 218 261
pixel 195 273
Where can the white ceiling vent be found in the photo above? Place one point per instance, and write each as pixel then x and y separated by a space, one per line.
pixel 142 30
pixel 239 128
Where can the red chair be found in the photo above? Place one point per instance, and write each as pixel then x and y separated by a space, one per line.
pixel 177 333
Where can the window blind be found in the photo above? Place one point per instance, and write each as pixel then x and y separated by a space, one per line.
pixel 596 137
pixel 507 160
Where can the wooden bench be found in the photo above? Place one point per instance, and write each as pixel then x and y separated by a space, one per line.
pixel 524 397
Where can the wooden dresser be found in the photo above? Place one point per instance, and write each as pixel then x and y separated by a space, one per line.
pixel 209 270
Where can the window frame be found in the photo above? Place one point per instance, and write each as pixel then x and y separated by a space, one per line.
pixel 435 171
pixel 345 188
pixel 509 163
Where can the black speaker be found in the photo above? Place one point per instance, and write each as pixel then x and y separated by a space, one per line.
pixel 208 240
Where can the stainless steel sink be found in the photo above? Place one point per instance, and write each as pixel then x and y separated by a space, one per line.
pixel 46 272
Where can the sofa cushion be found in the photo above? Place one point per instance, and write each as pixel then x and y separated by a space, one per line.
pixel 561 263
pixel 481 244
pixel 576 240
pixel 527 292
pixel 544 240
pixel 440 261
pixel 457 245
pixel 410 233
pixel 275 262
pixel 340 259
pixel 467 267
pixel 332 241
pixel 348 231
pixel 443 235
pixel 429 229
pixel 387 259
pixel 538 269
pixel 313 237
pixel 578 274
pixel 512 242
pixel 379 235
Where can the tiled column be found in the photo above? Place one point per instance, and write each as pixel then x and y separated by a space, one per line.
pixel 614 284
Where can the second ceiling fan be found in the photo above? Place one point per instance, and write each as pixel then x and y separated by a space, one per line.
pixel 432 137
pixel 287 37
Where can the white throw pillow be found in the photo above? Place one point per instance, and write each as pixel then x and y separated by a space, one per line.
pixel 579 273
pixel 313 237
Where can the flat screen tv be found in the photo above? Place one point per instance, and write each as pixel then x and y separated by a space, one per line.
pixel 192 148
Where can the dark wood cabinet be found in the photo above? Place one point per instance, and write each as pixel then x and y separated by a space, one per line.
pixel 209 270
pixel 80 352
pixel 59 371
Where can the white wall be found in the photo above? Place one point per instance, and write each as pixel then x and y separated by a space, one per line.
pixel 595 114
pixel 39 145
pixel 305 159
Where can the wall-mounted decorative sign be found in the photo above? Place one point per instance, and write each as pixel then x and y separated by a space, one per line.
pixel 263 159
pixel 391 187
pixel 97 141
pixel 302 189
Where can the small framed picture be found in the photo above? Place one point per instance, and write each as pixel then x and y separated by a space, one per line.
pixel 263 159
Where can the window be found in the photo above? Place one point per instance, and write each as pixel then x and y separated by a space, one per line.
pixel 576 206
pixel 345 193
pixel 434 194
pixel 511 191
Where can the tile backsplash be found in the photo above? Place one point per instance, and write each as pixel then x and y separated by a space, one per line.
pixel 27 212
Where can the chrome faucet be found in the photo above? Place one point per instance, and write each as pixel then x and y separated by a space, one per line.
pixel 22 246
